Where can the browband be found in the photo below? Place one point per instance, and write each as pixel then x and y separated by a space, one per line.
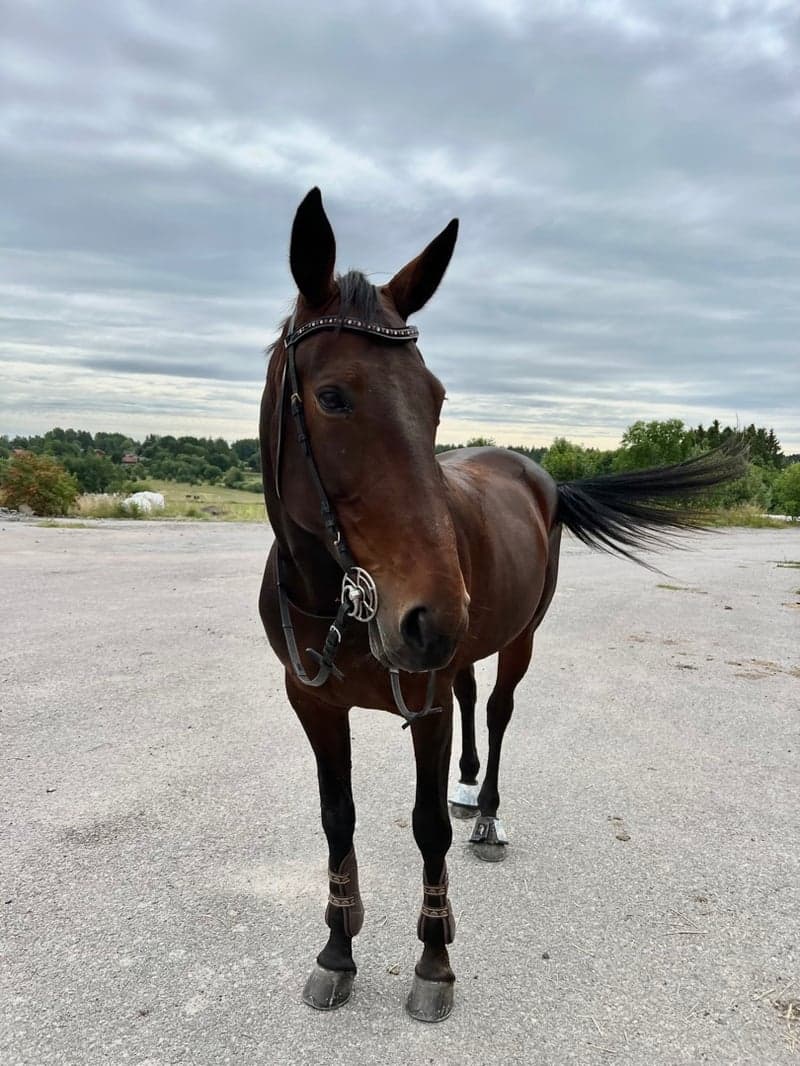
pixel 352 325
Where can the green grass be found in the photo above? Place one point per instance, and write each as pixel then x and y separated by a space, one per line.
pixel 746 516
pixel 209 503
pixel 791 564
pixel 55 523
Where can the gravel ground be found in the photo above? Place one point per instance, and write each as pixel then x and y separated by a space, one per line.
pixel 163 869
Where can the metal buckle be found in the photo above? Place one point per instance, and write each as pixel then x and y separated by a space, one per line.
pixel 359 590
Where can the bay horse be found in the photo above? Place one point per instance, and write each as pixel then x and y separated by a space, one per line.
pixel 405 568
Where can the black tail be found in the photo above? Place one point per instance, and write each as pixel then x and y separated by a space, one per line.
pixel 616 512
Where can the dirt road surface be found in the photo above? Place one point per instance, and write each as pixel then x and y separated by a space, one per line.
pixel 163 867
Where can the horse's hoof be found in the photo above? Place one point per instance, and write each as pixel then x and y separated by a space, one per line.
pixel 328 989
pixel 464 801
pixel 430 1001
pixel 489 852
pixel 458 810
pixel 489 839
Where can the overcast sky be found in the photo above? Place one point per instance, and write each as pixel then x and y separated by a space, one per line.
pixel 627 177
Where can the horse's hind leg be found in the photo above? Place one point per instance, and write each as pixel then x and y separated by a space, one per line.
pixel 488 838
pixel 328 729
pixel 464 797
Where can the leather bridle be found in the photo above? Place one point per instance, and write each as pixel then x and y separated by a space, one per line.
pixel 358 600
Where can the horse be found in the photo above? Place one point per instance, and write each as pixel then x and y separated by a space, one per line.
pixel 405 568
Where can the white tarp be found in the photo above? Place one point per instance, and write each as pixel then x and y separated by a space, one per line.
pixel 144 501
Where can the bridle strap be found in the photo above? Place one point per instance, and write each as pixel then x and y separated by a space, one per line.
pixel 350 325
pixel 400 703
pixel 348 606
pixel 325 658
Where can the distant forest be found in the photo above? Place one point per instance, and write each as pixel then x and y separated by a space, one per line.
pixel 112 462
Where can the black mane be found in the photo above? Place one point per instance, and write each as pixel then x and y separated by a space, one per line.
pixel 359 297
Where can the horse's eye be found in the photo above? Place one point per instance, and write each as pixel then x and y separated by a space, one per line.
pixel 333 400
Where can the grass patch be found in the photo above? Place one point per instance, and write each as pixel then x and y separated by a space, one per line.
pixel 104 506
pixel 204 503
pixel 790 564
pixel 746 516
pixel 54 523
pixel 215 503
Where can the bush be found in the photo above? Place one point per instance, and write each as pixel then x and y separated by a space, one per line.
pixel 38 482
pixel 787 490
pixel 233 477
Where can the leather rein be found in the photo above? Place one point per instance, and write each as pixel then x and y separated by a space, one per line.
pixel 358 599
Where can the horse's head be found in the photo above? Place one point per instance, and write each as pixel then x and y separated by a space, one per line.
pixel 371 408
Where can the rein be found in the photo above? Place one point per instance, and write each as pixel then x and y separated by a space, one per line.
pixel 358 600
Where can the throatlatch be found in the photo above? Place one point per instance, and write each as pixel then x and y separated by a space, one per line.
pixel 358 599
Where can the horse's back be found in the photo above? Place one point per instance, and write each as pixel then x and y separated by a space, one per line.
pixel 504 511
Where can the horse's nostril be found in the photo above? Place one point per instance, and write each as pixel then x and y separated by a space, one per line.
pixel 415 629
pixel 428 647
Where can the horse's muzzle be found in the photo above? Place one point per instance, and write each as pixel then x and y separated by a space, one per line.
pixel 427 643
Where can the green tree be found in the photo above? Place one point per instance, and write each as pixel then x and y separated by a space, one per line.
pixel 248 452
pixel 787 490
pixel 646 444
pixel 95 473
pixel 39 482
pixel 537 454
pixel 567 461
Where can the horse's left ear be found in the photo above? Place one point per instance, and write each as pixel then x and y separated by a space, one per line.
pixel 413 286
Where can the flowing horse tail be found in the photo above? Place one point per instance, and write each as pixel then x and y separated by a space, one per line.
pixel 639 509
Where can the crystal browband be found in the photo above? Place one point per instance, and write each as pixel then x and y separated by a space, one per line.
pixel 354 325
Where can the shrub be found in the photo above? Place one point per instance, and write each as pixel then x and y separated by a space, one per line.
pixel 39 482
pixel 233 477
pixel 787 490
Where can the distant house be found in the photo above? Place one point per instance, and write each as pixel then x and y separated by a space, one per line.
pixel 129 459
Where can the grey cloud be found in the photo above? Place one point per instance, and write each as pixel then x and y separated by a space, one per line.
pixel 625 173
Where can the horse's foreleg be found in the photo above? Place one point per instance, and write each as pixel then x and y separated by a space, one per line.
pixel 431 996
pixel 328 730
pixel 488 838
pixel 464 797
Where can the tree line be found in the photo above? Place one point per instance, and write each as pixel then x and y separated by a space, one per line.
pixel 772 482
pixel 95 461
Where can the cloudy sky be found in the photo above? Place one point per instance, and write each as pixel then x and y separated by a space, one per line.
pixel 627 176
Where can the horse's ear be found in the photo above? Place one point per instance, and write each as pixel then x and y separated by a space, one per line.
pixel 312 252
pixel 413 286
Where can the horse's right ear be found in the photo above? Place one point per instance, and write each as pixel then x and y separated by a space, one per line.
pixel 312 252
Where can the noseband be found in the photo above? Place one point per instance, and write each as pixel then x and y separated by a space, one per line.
pixel 358 600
